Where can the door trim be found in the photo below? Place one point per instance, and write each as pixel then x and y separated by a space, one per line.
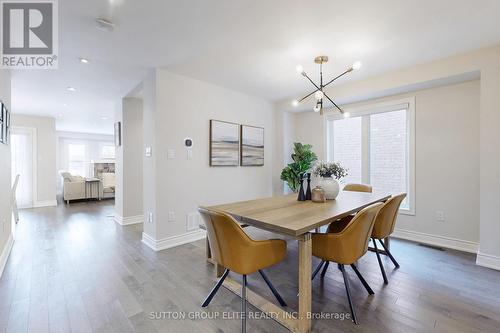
pixel 33 132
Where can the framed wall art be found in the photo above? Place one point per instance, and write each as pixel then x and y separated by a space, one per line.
pixel 224 143
pixel 252 146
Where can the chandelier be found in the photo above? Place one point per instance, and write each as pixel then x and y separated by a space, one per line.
pixel 319 93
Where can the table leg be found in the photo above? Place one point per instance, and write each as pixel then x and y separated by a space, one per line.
pixel 305 262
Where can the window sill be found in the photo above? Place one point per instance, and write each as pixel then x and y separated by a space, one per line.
pixel 407 212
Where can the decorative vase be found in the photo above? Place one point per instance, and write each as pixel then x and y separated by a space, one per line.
pixel 302 196
pixel 331 187
pixel 318 194
pixel 308 191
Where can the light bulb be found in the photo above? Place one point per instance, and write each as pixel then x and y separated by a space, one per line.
pixel 357 65
pixel 317 108
pixel 295 102
pixel 299 69
pixel 318 94
pixel 346 114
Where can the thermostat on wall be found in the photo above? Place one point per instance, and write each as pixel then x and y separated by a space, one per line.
pixel 188 142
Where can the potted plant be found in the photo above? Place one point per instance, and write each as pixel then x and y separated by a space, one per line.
pixel 330 173
pixel 303 158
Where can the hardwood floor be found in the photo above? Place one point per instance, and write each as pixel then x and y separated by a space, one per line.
pixel 72 269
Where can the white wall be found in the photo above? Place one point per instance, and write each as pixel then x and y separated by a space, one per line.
pixel 5 181
pixel 149 113
pixel 46 156
pixel 184 107
pixel 447 158
pixel 129 174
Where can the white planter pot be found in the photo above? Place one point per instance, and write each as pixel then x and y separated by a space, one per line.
pixel 331 187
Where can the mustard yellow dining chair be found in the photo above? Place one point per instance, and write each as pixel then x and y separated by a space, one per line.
pixel 346 247
pixel 233 249
pixel 339 225
pixel 353 187
pixel 384 227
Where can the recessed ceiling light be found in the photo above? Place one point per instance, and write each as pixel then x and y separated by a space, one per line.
pixel 71 89
pixel 105 24
pixel 65 105
pixel 104 118
pixel 84 60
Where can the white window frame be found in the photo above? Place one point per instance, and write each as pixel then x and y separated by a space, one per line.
pixel 382 107
pixel 86 159
pixel 104 144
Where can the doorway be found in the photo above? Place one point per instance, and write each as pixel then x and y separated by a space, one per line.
pixel 23 163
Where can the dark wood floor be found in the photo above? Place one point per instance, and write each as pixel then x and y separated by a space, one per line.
pixel 72 269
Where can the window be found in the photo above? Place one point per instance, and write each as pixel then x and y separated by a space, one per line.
pixel 107 151
pixel 377 146
pixel 347 146
pixel 77 159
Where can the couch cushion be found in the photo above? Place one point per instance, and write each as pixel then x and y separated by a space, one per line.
pixel 66 176
pixel 77 178
pixel 108 179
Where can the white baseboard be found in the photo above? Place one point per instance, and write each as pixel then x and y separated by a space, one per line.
pixel 488 260
pixel 442 241
pixel 5 253
pixel 129 219
pixel 45 203
pixel 169 242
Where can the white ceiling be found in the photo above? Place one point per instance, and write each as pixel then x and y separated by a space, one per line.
pixel 250 46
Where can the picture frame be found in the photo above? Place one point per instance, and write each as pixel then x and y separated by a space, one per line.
pixel 118 134
pixel 252 145
pixel 224 143
pixel 7 126
pixel 3 123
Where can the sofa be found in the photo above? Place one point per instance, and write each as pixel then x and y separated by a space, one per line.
pixel 73 187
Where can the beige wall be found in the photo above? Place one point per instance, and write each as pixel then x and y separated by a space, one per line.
pixel 447 158
pixel 5 181
pixel 184 107
pixel 46 156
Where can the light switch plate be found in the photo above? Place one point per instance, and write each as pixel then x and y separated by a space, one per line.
pixel 149 151
pixel 170 154
pixel 150 217
pixel 189 154
pixel 440 216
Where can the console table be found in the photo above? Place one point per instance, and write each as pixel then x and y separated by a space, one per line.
pixel 93 188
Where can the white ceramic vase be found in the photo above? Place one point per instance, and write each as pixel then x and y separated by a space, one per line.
pixel 331 187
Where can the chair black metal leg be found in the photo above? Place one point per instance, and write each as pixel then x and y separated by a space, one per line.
pixel 362 279
pixel 348 291
pixel 270 285
pixel 380 262
pixel 215 289
pixel 317 269
pixel 389 254
pixel 244 305
pixel 325 268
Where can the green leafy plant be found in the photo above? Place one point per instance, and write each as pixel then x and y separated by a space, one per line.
pixel 330 169
pixel 303 158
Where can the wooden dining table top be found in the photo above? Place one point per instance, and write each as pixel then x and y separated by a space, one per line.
pixel 285 215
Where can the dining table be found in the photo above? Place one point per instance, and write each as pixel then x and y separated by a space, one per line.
pixel 297 220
